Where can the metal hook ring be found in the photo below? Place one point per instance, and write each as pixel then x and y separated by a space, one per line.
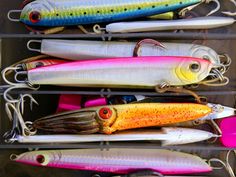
pixel 210 161
pixel 227 61
pixel 32 49
pixel 4 75
pixel 217 7
pixel 19 73
pixel 13 157
pixel 13 19
pixel 217 74
pixel 97 29
pixel 228 12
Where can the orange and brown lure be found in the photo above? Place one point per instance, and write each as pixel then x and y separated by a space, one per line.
pixel 109 119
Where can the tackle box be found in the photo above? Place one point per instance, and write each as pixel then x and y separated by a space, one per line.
pixel 13 40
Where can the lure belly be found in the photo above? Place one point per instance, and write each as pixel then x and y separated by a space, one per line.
pixel 123 72
pixel 76 12
pixel 108 119
pixel 80 50
pixel 121 161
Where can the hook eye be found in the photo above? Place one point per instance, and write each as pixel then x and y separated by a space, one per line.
pixel 195 67
pixel 13 12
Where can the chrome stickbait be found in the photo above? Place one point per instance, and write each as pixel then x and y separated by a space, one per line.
pixel 120 161
pixel 112 118
pixel 131 72
pixel 167 135
pixel 80 49
pixel 52 13
pixel 164 25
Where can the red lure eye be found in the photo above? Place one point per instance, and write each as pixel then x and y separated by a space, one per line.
pixel 105 113
pixel 34 17
pixel 40 159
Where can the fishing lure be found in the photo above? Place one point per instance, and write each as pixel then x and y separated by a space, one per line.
pixel 120 161
pixel 112 118
pixel 40 63
pixel 132 72
pixel 80 49
pixel 164 25
pixel 52 13
pixel 167 135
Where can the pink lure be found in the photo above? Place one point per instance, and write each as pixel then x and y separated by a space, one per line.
pixel 121 161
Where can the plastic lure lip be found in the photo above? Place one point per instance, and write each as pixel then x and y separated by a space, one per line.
pixel 219 112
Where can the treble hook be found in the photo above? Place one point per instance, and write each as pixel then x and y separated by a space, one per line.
pixel 15 85
pixel 228 12
pixel 16 109
pixel 217 76
pixel 21 103
pixel 183 12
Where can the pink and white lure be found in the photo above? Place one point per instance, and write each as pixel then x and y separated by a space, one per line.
pixel 123 72
pixel 117 160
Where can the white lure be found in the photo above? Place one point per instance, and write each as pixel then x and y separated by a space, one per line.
pixel 81 50
pixel 167 135
pixel 163 25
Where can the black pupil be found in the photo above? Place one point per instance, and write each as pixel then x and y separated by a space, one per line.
pixel 40 159
pixel 39 64
pixel 35 16
pixel 105 111
pixel 194 66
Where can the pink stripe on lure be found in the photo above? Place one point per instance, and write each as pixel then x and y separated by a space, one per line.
pixel 118 160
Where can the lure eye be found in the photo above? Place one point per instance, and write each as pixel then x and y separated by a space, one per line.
pixel 105 113
pixel 39 64
pixel 195 67
pixel 34 17
pixel 40 159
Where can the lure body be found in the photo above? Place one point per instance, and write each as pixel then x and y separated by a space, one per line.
pixel 143 72
pixel 121 161
pixel 80 50
pixel 76 12
pixel 108 119
pixel 167 135
pixel 182 24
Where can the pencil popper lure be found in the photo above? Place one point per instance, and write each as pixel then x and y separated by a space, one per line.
pixel 60 13
pixel 197 23
pixel 141 72
pixel 80 49
pixel 109 119
pixel 118 161
pixel 167 135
